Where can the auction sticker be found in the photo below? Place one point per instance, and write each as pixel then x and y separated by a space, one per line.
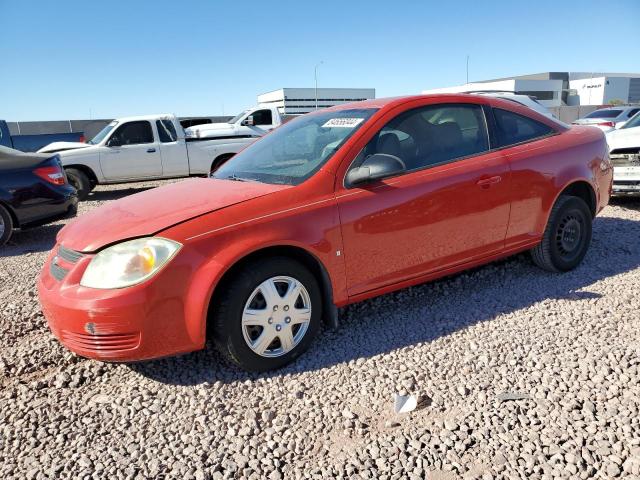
pixel 342 122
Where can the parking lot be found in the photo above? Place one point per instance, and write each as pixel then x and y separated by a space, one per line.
pixel 519 373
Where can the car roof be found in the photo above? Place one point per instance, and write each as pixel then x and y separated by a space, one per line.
pixel 145 117
pixel 393 101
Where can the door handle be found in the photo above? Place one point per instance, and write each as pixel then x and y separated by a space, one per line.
pixel 487 182
pixel 151 150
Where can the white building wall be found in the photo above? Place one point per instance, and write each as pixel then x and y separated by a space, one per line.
pixel 616 88
pixel 303 100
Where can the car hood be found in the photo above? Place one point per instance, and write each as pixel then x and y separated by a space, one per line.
pixel 154 210
pixel 61 146
pixel 624 138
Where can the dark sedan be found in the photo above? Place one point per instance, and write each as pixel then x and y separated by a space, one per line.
pixel 33 191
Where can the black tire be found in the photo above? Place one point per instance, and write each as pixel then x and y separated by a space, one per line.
pixel 218 162
pixel 567 237
pixel 6 225
pixel 225 322
pixel 80 181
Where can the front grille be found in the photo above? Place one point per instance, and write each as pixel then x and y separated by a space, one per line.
pixel 625 160
pixel 101 342
pixel 70 256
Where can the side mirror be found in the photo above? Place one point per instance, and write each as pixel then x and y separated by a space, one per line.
pixel 248 121
pixel 376 167
pixel 114 142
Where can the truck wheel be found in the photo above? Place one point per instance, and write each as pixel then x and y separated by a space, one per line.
pixel 79 180
pixel 6 225
pixel 267 315
pixel 218 162
pixel 567 237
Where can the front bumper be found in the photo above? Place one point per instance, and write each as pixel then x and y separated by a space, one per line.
pixel 626 178
pixel 130 324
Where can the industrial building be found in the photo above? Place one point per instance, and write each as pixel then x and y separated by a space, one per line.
pixel 555 89
pixel 293 101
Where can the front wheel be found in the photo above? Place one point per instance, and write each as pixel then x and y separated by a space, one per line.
pixel 267 315
pixel 567 237
pixel 6 225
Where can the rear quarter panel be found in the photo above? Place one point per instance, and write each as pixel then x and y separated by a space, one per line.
pixel 542 169
pixel 202 153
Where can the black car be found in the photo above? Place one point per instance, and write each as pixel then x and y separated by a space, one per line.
pixel 33 191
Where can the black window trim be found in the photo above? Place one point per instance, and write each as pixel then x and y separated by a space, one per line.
pixel 122 125
pixel 494 126
pixel 348 186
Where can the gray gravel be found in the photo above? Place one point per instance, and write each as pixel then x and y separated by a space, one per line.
pixel 519 373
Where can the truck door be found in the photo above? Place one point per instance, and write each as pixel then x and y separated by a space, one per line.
pixel 131 152
pixel 173 150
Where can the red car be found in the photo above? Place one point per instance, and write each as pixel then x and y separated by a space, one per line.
pixel 332 208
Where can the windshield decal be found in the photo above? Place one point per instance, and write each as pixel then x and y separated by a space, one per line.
pixel 342 122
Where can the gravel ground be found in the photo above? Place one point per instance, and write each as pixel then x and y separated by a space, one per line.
pixel 520 373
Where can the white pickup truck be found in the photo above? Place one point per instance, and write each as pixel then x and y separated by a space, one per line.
pixel 255 121
pixel 624 150
pixel 156 146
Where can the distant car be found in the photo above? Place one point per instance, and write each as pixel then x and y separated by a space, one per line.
pixel 33 190
pixel 33 142
pixel 332 208
pixel 607 119
pixel 624 150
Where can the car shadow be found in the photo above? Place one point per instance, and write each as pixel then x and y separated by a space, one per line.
pixel 106 195
pixel 31 240
pixel 431 310
pixel 631 202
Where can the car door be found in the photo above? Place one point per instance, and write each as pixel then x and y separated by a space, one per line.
pixel 173 150
pixel 450 207
pixel 131 152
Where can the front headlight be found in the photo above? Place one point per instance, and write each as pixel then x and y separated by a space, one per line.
pixel 128 263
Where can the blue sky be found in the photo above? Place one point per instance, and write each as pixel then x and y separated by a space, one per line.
pixel 72 59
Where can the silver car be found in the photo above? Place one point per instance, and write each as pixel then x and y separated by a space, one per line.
pixel 609 118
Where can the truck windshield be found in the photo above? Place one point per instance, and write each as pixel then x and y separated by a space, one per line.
pixel 102 133
pixel 238 117
pixel 294 152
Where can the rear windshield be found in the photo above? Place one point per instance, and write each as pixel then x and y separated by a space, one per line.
pixel 604 114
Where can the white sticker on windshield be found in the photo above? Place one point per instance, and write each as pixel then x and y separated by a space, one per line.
pixel 342 122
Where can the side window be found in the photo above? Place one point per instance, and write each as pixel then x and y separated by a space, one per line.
pixel 432 135
pixel 166 131
pixel 134 133
pixel 513 128
pixel 631 113
pixel 262 117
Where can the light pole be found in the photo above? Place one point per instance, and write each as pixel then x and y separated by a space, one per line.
pixel 315 76
pixel 467 69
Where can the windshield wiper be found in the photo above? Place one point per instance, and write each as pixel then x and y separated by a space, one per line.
pixel 236 178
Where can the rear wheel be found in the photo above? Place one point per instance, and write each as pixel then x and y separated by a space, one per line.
pixel 267 315
pixel 80 181
pixel 6 225
pixel 567 237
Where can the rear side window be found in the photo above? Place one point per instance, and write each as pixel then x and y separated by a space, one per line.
pixel 166 131
pixel 513 128
pixel 608 113
pixel 632 112
pixel 134 133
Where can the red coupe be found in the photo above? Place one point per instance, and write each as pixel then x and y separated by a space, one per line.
pixel 332 208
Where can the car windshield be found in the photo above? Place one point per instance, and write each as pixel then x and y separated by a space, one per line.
pixel 103 133
pixel 238 117
pixel 604 114
pixel 295 151
pixel 634 122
